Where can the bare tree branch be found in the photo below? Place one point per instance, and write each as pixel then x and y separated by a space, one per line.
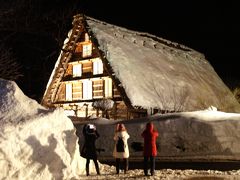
pixel 9 68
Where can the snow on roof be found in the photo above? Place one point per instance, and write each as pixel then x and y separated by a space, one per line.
pixel 158 73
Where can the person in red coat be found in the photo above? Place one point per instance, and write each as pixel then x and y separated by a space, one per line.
pixel 149 148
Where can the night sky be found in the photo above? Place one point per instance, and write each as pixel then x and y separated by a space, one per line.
pixel 209 27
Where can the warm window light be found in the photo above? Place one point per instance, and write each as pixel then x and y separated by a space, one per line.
pixel 87 50
pixel 108 87
pixel 87 66
pixel 77 90
pixel 77 70
pixel 68 92
pixel 87 89
pixel 98 88
pixel 97 67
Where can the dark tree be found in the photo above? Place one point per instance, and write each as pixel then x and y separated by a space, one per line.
pixel 35 31
pixel 9 68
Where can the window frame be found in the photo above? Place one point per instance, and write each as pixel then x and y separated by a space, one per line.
pixel 87 50
pixel 87 89
pixel 68 94
pixel 77 70
pixel 108 87
pixel 97 67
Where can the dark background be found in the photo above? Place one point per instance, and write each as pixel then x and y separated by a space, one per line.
pixel 35 30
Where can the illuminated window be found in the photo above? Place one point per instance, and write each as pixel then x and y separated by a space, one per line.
pixel 108 87
pixel 87 67
pixel 77 70
pixel 98 88
pixel 68 92
pixel 87 89
pixel 97 66
pixel 77 90
pixel 87 50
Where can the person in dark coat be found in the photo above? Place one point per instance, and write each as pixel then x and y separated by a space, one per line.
pixel 89 149
pixel 149 148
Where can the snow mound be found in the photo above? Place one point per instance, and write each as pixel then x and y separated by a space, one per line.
pixel 13 100
pixel 36 143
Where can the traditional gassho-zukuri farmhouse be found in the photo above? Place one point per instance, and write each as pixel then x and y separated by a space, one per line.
pixel 109 71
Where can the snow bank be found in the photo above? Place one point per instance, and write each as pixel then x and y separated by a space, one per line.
pixel 14 105
pixel 35 143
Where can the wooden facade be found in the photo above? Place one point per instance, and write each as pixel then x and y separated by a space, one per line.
pixel 83 76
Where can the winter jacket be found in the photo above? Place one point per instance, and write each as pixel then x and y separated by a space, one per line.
pixel 150 136
pixel 89 149
pixel 124 135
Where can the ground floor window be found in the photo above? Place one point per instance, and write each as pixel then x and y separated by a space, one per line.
pixel 87 89
pixel 98 88
pixel 108 87
pixel 77 90
pixel 69 92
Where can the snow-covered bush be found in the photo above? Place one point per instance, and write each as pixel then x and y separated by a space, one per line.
pixel 103 105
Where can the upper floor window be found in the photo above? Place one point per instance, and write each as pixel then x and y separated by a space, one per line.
pixel 77 70
pixel 97 67
pixel 87 67
pixel 87 50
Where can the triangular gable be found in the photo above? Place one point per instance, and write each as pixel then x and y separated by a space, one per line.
pixel 79 27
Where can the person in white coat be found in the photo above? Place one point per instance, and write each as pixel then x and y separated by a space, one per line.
pixel 118 153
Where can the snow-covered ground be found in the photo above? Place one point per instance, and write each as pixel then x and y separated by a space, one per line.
pixel 36 143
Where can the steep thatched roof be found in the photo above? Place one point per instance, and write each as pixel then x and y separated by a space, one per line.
pixel 161 74
pixel 154 72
